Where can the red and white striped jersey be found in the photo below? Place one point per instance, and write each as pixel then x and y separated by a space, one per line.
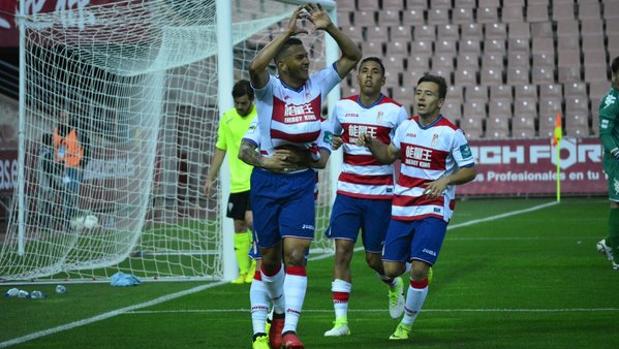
pixel 292 116
pixel 427 154
pixel 362 175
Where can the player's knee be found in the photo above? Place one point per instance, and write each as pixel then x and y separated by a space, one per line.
pixel 419 273
pixel 392 270
pixel 295 256
pixel 373 261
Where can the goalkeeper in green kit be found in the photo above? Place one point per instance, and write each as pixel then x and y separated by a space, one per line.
pixel 609 135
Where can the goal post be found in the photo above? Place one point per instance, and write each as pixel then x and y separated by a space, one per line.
pixel 145 83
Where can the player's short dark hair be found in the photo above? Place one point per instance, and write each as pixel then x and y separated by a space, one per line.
pixel 243 88
pixel 614 66
pixel 439 80
pixel 287 44
pixel 374 59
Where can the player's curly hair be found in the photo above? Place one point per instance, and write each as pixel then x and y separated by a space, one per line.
pixel 243 88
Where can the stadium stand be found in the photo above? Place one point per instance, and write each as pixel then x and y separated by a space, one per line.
pixel 513 63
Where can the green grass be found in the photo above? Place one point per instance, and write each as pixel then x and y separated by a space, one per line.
pixel 527 281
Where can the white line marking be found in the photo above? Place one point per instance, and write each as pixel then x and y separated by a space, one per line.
pixel 107 315
pixel 464 310
pixel 179 294
pixel 466 224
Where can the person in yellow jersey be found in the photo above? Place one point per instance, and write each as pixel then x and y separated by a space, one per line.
pixel 232 127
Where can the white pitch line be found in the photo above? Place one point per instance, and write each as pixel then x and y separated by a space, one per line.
pixel 107 315
pixel 466 224
pixel 179 294
pixel 463 310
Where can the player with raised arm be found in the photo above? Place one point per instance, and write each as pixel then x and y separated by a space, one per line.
pixel 609 136
pixel 365 188
pixel 435 157
pixel 283 193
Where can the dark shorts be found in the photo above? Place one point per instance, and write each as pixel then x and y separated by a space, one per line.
pixel 238 204
pixel 349 215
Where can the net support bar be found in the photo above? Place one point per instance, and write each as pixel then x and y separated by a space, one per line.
pixel 225 80
pixel 21 153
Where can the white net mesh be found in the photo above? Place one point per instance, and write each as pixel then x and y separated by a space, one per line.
pixel 138 81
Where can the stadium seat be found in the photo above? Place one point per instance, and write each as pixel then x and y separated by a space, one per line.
pixel 411 77
pixel 353 33
pixel 445 73
pixel 499 107
pixel 489 3
pixel 575 89
pixel 525 91
pixel 523 126
pixel 590 10
pixel 468 45
pixel 474 107
pixel 346 6
pixel 569 74
pixel 444 60
pixel 493 60
pixel 542 30
pixel 448 31
pixel 376 34
pixel 445 46
pixel 519 44
pixel 472 31
pixel 396 47
pixel 501 92
pixel 593 44
pixel 403 94
pixel 592 28
pixel 569 58
pixel 518 59
pixel 400 33
pixel 537 13
pixel 612 27
pixel 476 93
pixel 549 106
pixel 542 2
pixel 421 46
pixel 598 89
pixel 495 31
pixel 468 61
pixel 364 19
pixel 517 75
pixel 542 44
pixel 491 76
pixel 611 12
pixel 389 17
pixel 413 16
pixel 364 5
pixel 562 11
pixel 462 15
pixel 577 104
pixel 343 18
pixel 543 59
pixel 487 15
pixel 512 13
pixel 577 124
pixel 392 78
pixel 472 126
pixel 440 4
pixel 551 90
pixel 438 16
pixel 452 110
pixel 497 126
pixel 596 73
pixel 372 48
pixel 567 27
pixel 519 30
pixel 419 62
pixel 417 3
pixel 542 74
pixel 525 106
pixel 424 32
pixel 455 93
pixel 465 77
pixel 389 4
pixel 465 3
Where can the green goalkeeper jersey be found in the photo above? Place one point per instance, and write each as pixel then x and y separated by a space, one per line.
pixel 609 130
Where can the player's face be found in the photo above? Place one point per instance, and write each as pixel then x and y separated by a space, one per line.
pixel 371 78
pixel 296 63
pixel 243 105
pixel 427 100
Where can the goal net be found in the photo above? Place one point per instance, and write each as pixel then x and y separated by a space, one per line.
pixel 138 81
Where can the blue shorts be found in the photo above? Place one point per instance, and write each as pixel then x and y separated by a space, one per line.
pixel 282 205
pixel 349 215
pixel 420 240
pixel 254 252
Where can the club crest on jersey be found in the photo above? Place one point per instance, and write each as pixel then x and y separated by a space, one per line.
pixel 379 116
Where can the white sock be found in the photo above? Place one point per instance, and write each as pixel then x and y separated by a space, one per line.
pixel 415 297
pixel 295 285
pixel 259 300
pixel 274 285
pixel 340 294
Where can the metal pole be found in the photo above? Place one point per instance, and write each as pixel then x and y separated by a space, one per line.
pixel 21 154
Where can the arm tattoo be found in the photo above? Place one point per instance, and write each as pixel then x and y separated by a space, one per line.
pixel 249 155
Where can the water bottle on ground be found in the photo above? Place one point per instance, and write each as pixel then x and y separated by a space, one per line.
pixel 37 295
pixel 60 289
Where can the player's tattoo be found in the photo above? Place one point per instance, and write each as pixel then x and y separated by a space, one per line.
pixel 249 154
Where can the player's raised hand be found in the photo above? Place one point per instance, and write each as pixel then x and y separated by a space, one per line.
pixel 209 185
pixel 336 142
pixel 293 26
pixel 318 16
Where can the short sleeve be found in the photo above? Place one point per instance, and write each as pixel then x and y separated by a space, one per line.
pixel 461 150
pixel 327 78
pixel 399 133
pixel 402 116
pixel 266 91
pixel 324 140
pixel 221 134
pixel 253 133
